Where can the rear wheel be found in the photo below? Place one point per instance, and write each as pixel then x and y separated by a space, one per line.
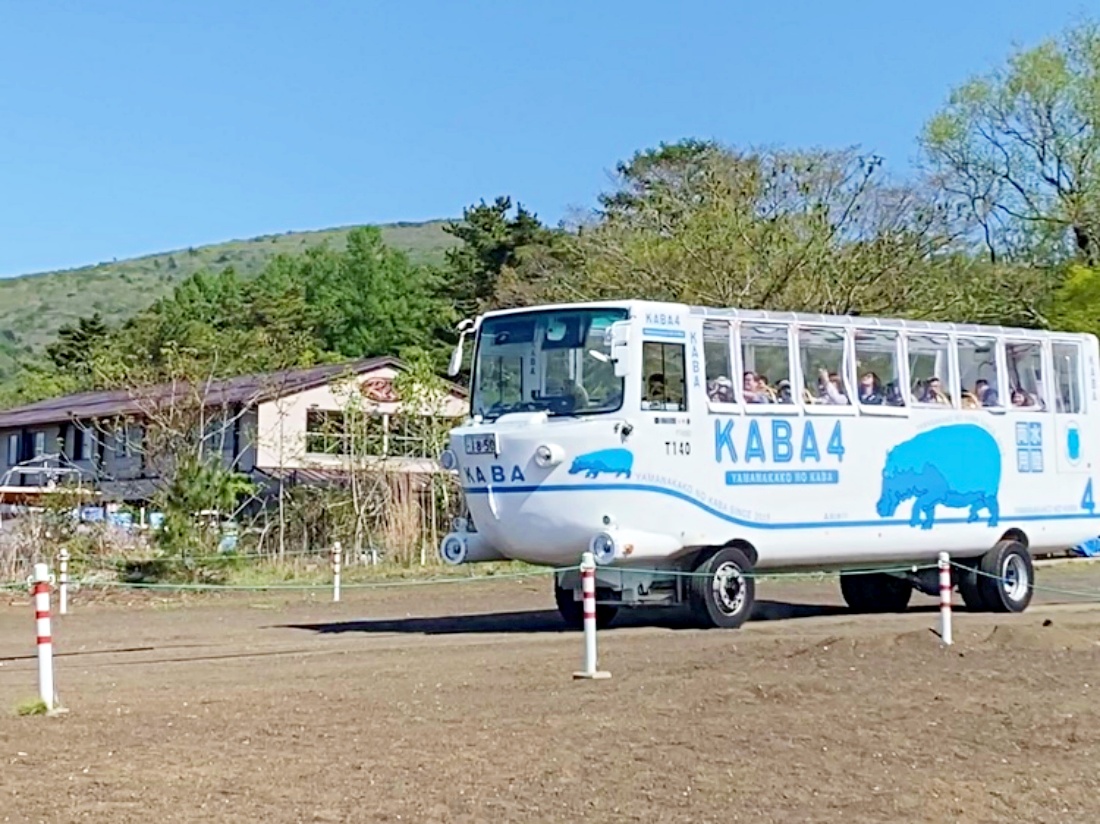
pixel 1006 577
pixel 572 610
pixel 966 575
pixel 875 592
pixel 722 590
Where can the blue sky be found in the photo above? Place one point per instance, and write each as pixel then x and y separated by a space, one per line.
pixel 135 127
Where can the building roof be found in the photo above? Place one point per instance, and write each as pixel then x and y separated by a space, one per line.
pixel 246 389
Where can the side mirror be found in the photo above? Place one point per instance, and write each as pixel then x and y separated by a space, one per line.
pixel 455 363
pixel 618 341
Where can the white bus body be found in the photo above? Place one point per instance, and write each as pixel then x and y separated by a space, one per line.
pixel 569 447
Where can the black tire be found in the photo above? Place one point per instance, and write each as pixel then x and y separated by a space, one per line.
pixel 875 592
pixel 1006 577
pixel 722 592
pixel 572 611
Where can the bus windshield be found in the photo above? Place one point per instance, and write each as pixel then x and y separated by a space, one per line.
pixel 546 361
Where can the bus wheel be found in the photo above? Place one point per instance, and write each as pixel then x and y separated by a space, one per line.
pixel 572 611
pixel 1006 577
pixel 875 592
pixel 722 589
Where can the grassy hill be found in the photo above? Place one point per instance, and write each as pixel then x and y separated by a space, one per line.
pixel 34 307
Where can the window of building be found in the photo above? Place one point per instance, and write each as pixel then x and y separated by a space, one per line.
pixel 325 432
pixel 663 375
pixel 1067 378
pixel 930 369
pixel 334 432
pixel 878 376
pixel 821 355
pixel 411 436
pixel 39 444
pixel 1024 362
pixel 13 450
pixel 765 353
pixel 83 442
pixel 979 381
pixel 719 361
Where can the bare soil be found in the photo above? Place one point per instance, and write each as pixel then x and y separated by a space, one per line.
pixel 456 702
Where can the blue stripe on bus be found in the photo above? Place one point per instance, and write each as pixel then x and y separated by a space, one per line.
pixel 673 493
pixel 674 334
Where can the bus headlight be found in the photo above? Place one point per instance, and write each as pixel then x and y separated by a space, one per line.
pixel 448 460
pixel 549 454
pixel 603 548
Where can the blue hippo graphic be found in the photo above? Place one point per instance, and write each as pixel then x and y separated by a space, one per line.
pixel 611 461
pixel 958 465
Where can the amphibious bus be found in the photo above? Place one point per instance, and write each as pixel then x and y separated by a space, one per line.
pixel 670 439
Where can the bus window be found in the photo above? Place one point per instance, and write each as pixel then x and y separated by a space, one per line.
pixel 1025 375
pixel 765 353
pixel 719 364
pixel 930 369
pixel 877 373
pixel 821 353
pixel 979 383
pixel 663 376
pixel 1067 375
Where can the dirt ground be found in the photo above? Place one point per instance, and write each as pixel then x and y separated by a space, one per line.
pixel 456 703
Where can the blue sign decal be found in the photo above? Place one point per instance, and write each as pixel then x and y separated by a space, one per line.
pixel 611 461
pixel 1073 444
pixel 497 474
pixel 1029 447
pixel 958 465
pixel 696 369
pixel 782 445
pixel 1087 502
pixel 798 477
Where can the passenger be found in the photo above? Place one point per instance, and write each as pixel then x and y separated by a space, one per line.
pixel 985 393
pixel 969 401
pixel 750 391
pixel 655 388
pixel 893 395
pixel 829 389
pixel 870 389
pixel 783 392
pixel 933 393
pixel 571 389
pixel 721 390
pixel 764 389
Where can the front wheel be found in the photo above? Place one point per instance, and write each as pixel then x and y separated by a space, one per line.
pixel 875 592
pixel 572 610
pixel 722 590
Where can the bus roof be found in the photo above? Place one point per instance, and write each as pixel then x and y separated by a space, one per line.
pixel 808 318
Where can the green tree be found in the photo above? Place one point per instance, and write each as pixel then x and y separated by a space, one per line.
pixel 75 347
pixel 1018 150
pixel 494 243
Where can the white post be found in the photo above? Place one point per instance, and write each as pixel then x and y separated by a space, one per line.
pixel 588 603
pixel 63 581
pixel 40 588
pixel 336 572
pixel 945 598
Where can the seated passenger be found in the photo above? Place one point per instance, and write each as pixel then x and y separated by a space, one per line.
pixel 932 393
pixel 783 392
pixel 751 389
pixel 720 390
pixel 870 389
pixel 893 395
pixel 829 389
pixel 764 388
pixel 985 393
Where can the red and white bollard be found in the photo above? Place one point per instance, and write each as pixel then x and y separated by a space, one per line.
pixel 588 591
pixel 40 589
pixel 336 572
pixel 945 598
pixel 63 581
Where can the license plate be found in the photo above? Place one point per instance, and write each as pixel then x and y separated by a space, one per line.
pixel 481 444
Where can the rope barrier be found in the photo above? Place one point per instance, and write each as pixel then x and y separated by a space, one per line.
pixel 1092 596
